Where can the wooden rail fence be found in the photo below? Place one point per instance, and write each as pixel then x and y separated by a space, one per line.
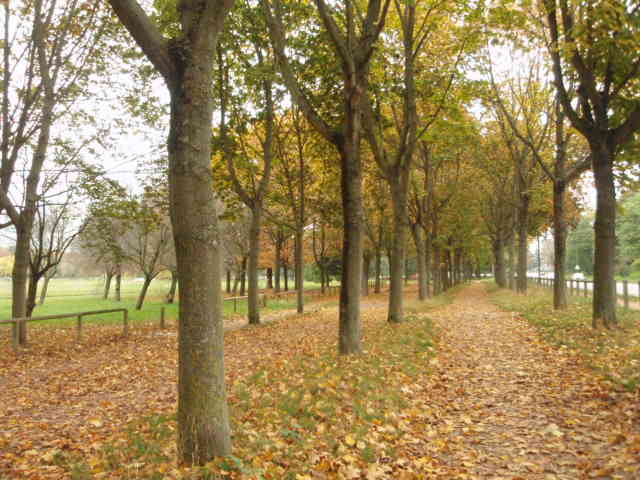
pixel 16 322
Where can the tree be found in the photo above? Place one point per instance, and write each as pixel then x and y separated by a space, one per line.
pixel 185 62
pixel 354 48
pixel 597 46
pixel 55 229
pixel 46 64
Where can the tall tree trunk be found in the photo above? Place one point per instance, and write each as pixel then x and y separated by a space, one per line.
pixel 604 286
pixel 366 264
pixel 20 278
pixel 500 273
pixel 285 272
pixel 270 278
pixel 560 246
pixel 512 262
pixel 228 283
pixel 253 300
pixel 523 247
pixel 323 279
pixel 118 292
pixel 299 267
pixel 378 284
pixel 107 284
pixel 351 184
pixel 428 252
pixel 143 291
pixel 243 277
pixel 397 262
pixel 437 277
pixel 236 282
pixel 171 294
pixel 416 232
pixel 278 261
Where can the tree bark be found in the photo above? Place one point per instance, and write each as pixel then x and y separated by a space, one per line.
pixel 243 277
pixel 285 272
pixel 523 237
pixel 270 278
pixel 118 291
pixel 32 293
pixel 228 284
pixel 366 264
pixel 253 302
pixel 511 272
pixel 143 291
pixel 397 262
pixel 20 278
pixel 107 285
pixel 171 294
pixel 604 286
pixel 416 232
pixel 378 284
pixel 278 261
pixel 299 268
pixel 45 288
pixel 351 183
pixel 499 263
pixel 560 246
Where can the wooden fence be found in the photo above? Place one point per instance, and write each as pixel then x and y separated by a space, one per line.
pixel 16 322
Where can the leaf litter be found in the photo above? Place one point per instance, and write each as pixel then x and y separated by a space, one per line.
pixel 461 390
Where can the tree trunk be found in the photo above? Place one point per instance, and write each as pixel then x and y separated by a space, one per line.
pixel 523 248
pixel 243 277
pixel 171 295
pixel 236 282
pixel 512 262
pixel 143 291
pixel 366 264
pixel 118 291
pixel 270 278
pixel 285 272
pixel 253 300
pixel 32 293
pixel 299 268
pixel 559 246
pixel 604 286
pixel 20 277
pixel 278 265
pixel 45 287
pixel 437 277
pixel 228 289
pixel 428 252
pixel 378 284
pixel 107 285
pixel 397 261
pixel 416 232
pixel 351 185
pixel 499 264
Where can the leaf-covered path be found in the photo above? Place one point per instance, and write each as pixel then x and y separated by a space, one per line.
pixel 494 403
pixel 518 408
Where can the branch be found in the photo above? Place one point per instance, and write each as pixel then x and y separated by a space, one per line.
pixel 148 37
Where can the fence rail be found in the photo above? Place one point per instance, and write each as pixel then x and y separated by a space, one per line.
pixel 16 322
pixel 585 287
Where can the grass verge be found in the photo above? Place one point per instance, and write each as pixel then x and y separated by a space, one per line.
pixel 309 414
pixel 613 353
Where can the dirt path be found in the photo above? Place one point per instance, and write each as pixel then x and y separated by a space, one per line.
pixel 518 409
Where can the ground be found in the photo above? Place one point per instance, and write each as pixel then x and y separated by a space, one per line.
pixel 491 400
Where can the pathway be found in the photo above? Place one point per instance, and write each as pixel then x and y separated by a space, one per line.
pixel 519 409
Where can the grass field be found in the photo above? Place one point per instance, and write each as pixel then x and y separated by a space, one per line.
pixel 67 295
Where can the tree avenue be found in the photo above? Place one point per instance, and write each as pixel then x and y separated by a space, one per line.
pixel 390 148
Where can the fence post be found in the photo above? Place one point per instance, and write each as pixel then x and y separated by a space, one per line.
pixel 625 292
pixel 162 324
pixel 79 328
pixel 125 322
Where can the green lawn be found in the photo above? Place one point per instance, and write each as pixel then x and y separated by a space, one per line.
pixel 81 295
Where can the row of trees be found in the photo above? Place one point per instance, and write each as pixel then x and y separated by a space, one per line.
pixel 371 127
